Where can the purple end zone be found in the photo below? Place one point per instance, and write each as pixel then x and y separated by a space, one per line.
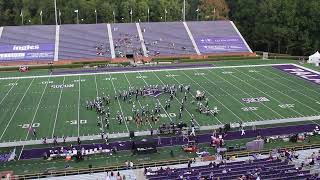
pixel 170 141
pixel 300 72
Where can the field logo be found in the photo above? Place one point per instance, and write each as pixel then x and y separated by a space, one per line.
pixel 254 100
pixel 153 92
pixel 300 72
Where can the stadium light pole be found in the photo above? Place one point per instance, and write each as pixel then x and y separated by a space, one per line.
pixel 165 15
pixel 60 17
pixel 95 12
pixel 198 13
pixel 114 17
pixel 21 15
pixel 77 11
pixel 148 15
pixel 55 11
pixel 41 16
pixel 184 10
pixel 131 14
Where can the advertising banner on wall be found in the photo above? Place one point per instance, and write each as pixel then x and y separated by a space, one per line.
pixel 221 44
pixel 26 52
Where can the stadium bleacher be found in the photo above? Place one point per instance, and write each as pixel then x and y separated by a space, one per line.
pixel 126 39
pixel 37 42
pixel 264 168
pixel 217 37
pixel 168 38
pixel 91 41
pixel 82 41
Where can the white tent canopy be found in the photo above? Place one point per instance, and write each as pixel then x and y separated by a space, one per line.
pixel 315 58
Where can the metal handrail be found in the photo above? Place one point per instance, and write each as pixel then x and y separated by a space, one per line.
pixel 152 164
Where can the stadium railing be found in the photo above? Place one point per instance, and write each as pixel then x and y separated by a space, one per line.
pixel 264 152
pixel 152 164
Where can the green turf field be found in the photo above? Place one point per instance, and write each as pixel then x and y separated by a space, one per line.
pixel 41 103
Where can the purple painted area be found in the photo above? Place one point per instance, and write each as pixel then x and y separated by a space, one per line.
pixel 26 52
pixel 153 92
pixel 300 72
pixel 221 44
pixel 171 141
pixel 118 69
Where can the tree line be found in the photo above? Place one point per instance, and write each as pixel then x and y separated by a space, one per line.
pixel 280 26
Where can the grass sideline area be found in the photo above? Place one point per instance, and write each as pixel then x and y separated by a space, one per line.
pixel 118 160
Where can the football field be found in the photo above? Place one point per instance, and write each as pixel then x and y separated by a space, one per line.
pixel 56 105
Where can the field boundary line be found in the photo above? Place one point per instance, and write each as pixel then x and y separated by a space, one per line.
pixel 115 92
pixel 191 94
pixel 138 98
pixel 134 71
pixel 249 93
pixel 144 133
pixel 79 96
pixel 8 92
pixel 100 117
pixel 34 115
pixel 190 114
pixel 57 111
pixel 16 109
pixel 213 96
pixel 282 92
pixel 292 81
pixel 157 98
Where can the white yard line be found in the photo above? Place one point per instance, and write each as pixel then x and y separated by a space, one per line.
pixel 229 93
pixel 248 93
pixel 115 92
pixel 213 96
pixel 97 91
pixel 190 93
pixel 16 109
pixel 138 99
pixel 281 93
pixel 79 108
pixel 158 100
pixel 133 71
pixel 34 115
pixel 8 92
pixel 37 108
pixel 144 133
pixel 275 74
pixel 57 111
pixel 290 96
pixel 177 99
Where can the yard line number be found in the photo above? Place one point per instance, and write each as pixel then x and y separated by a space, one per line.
pixel 285 106
pixel 34 125
pixel 246 109
pixel 75 122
